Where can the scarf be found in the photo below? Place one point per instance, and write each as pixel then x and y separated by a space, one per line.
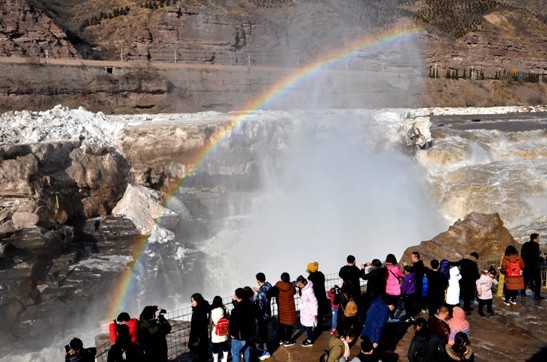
pixel 346 348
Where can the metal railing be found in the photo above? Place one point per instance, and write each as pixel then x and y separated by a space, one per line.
pixel 177 340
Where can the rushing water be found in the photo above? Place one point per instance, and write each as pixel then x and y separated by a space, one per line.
pixel 334 183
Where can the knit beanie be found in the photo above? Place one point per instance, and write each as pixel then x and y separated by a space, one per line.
pixel 313 267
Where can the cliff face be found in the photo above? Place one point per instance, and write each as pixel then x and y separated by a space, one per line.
pixel 28 31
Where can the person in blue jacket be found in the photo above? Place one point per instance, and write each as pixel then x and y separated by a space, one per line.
pixel 377 317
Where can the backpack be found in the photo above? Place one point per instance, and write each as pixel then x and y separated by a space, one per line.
pixel 513 270
pixel 222 327
pixel 350 310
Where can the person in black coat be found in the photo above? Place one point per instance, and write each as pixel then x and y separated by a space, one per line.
pixel 198 343
pixel 242 325
pixel 470 273
pixel 418 349
pixel 75 352
pixel 418 269
pixel 532 270
pixel 376 286
pixel 151 334
pixel 318 281
pixel 437 284
pixel 350 274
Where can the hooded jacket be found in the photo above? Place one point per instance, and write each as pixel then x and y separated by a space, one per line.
pixel 308 306
pixel 285 303
pixel 453 291
pixel 484 287
pixel 377 317
pixel 457 323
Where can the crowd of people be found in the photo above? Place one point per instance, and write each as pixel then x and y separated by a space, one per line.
pixel 396 294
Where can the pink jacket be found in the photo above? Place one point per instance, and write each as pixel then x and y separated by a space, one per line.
pixel 393 287
pixel 308 306
pixel 457 323
pixel 484 287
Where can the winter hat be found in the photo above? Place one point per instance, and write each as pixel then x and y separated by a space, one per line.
pixel 313 267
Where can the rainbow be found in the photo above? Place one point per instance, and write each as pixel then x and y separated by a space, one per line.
pixel 125 286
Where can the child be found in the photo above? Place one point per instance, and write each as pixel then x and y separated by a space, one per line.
pixel 334 297
pixel 484 290
pixel 408 291
pixel 453 291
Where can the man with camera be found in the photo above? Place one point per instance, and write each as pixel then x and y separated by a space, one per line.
pixel 75 352
pixel 151 334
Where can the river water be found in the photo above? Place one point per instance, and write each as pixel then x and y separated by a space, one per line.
pixel 335 182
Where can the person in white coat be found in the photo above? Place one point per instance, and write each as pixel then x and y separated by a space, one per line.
pixel 308 308
pixel 453 291
pixel 220 342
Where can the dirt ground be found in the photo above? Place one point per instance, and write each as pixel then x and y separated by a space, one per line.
pixel 514 333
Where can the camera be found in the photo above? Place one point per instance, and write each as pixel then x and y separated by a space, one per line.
pixel 163 311
pixel 67 348
pixel 337 289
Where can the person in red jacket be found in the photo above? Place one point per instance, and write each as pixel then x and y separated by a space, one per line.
pixel 123 335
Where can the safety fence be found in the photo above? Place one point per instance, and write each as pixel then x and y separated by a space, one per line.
pixel 177 340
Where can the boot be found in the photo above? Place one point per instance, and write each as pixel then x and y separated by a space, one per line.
pixel 215 357
pixel 225 356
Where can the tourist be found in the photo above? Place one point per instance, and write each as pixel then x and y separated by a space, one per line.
pixel 375 274
pixel 339 347
pixel 418 269
pixel 75 352
pixel 350 274
pixel 367 352
pixel 457 323
pixel 533 259
pixel 308 308
pixel 408 293
pixel 439 325
pixel 484 290
pixel 444 269
pixel 512 266
pixel 242 325
pixel 460 350
pixel 453 290
pixel 436 287
pixel 469 272
pixel 377 318
pixel 123 335
pixel 418 349
pixel 348 311
pixel 198 342
pixel 263 314
pixel 284 291
pixel 334 297
pixel 394 277
pixel 318 281
pixel 152 334
pixel 219 339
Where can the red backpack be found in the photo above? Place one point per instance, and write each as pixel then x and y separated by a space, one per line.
pixel 513 270
pixel 222 327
